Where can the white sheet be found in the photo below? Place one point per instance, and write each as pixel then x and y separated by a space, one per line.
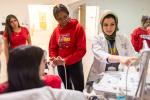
pixel 45 93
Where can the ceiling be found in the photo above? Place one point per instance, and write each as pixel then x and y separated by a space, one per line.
pixel 64 1
pixel 47 2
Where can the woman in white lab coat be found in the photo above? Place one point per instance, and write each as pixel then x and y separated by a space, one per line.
pixel 110 48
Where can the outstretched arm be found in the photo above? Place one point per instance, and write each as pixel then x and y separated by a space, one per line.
pixel 122 59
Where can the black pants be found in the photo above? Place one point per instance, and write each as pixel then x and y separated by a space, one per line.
pixel 75 74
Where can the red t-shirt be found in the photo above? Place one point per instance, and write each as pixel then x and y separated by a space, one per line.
pixel 53 81
pixel 19 38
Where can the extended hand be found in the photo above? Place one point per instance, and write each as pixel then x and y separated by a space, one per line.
pixel 127 60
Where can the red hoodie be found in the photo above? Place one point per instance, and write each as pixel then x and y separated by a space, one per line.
pixel 136 40
pixel 68 42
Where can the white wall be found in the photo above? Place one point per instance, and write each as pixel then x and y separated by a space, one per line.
pixel 12 8
pixel 18 8
pixel 128 11
pixel 74 7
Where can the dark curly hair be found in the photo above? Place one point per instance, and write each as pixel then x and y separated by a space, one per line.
pixel 59 8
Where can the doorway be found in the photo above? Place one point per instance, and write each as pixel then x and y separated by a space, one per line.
pixel 42 24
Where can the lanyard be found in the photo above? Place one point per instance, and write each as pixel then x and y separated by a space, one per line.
pixel 112 48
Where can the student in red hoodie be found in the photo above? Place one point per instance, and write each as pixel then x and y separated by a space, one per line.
pixel 136 39
pixel 26 70
pixel 67 47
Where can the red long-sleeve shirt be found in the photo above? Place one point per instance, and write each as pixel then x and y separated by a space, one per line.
pixel 136 40
pixel 68 42
pixel 53 81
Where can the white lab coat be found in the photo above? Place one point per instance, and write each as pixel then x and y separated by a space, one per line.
pixel 44 93
pixel 100 51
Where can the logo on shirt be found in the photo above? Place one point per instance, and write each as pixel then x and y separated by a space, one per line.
pixel 64 40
